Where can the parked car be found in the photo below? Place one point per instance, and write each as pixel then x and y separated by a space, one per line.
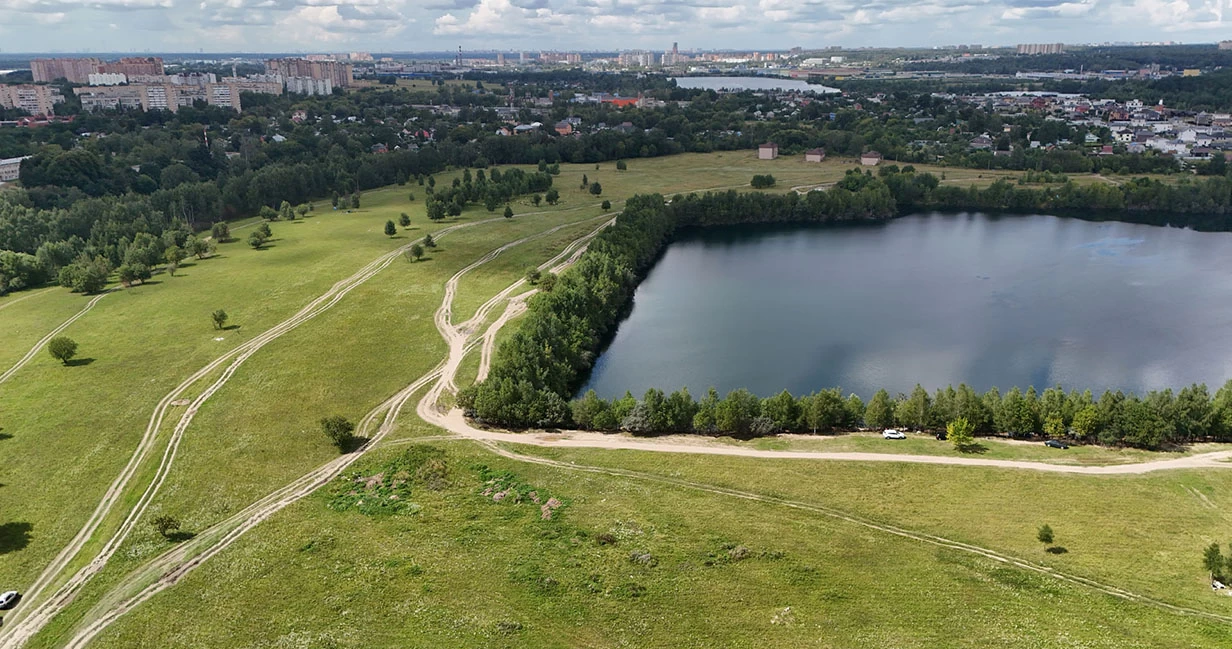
pixel 890 433
pixel 1056 444
pixel 9 600
pixel 942 436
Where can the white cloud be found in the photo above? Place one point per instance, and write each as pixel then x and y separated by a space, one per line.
pixel 271 25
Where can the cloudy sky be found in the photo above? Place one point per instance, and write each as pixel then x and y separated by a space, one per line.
pixel 421 25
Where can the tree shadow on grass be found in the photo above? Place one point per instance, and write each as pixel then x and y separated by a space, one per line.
pixel 4 436
pixel 14 536
pixel 1056 549
pixel 230 328
pixel 353 444
pixel 180 536
pixel 78 362
pixel 973 449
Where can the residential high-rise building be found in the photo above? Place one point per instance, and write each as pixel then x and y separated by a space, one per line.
pixel 107 79
pixel 309 86
pixel 636 58
pixel 71 70
pixel 170 96
pixel 1041 48
pixel 340 75
pixel 35 100
pixel 136 66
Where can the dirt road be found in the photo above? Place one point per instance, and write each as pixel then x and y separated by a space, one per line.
pixel 54 332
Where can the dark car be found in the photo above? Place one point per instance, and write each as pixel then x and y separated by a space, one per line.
pixel 942 436
pixel 1056 444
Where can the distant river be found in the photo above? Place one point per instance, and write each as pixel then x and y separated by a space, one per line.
pixel 751 83
pixel 936 299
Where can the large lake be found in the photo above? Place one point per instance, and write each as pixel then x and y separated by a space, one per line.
pixel 751 83
pixel 934 299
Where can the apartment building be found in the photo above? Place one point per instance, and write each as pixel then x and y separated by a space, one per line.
pixel 35 100
pixel 340 75
pixel 71 69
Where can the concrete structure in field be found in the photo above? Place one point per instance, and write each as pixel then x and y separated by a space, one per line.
pixel 35 100
pixel 10 169
pixel 768 151
pixel 870 159
pixel 340 75
pixel 815 155
pixel 1041 48
pixel 70 69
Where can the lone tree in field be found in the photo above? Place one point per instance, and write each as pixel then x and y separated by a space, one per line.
pixel 390 229
pixel 508 212
pixel 596 188
pixel 219 317
pixel 621 166
pixel 1212 560
pixel 428 241
pixel 416 252
pixel 606 205
pixel 961 433
pixel 536 199
pixel 257 239
pixel 62 348
pixel 165 525
pixel 338 430
pixel 533 274
pixel 404 220
pixel 585 181
pixel 221 232
pixel 552 196
pixel 1045 534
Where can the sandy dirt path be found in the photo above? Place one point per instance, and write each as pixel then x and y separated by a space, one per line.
pixel 831 512
pixel 455 422
pixel 35 615
pixel 54 332
pixel 26 297
pixel 172 566
pixel 167 569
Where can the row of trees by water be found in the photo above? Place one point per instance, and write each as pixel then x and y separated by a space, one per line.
pixel 1158 419
pixel 551 352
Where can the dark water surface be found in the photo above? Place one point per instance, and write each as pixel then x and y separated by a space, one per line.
pixel 935 299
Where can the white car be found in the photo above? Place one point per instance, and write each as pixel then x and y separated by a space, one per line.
pixel 9 600
pixel 890 433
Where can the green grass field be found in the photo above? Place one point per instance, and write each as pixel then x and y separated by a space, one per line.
pixel 465 571
pixel 624 562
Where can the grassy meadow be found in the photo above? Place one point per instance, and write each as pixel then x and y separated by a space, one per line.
pixel 624 562
pixel 465 571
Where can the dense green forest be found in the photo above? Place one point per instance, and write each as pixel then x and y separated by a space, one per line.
pixel 552 350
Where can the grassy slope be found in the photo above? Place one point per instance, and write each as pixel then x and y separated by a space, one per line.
pixel 468 572
pixel 144 341
pixel 1144 533
pixel 260 429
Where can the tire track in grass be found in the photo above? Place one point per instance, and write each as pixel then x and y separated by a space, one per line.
pixel 170 567
pixel 54 332
pixel 30 620
pixel 838 514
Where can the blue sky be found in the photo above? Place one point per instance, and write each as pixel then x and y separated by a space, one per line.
pixel 419 25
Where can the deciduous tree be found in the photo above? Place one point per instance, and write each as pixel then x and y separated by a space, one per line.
pixel 62 348
pixel 338 430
